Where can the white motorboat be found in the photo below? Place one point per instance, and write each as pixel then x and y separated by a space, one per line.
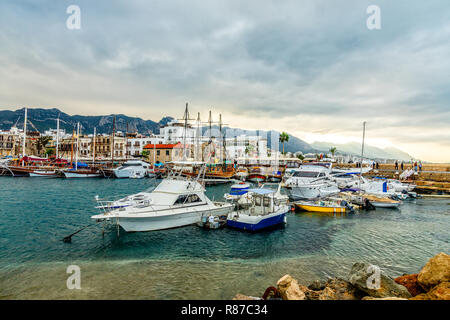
pixel 311 181
pixel 175 202
pixel 263 212
pixel 132 169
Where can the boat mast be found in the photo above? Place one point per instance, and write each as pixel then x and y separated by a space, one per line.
pixel 71 148
pixel 186 117
pixel 198 139
pixel 113 134
pixel 126 143
pixel 24 135
pixel 362 153
pixel 57 138
pixel 78 145
pixel 210 137
pixel 93 148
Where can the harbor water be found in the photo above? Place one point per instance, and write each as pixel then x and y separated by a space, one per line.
pixel 190 262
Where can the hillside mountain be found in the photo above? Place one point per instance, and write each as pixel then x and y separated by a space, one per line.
pixel 43 119
pixel 354 148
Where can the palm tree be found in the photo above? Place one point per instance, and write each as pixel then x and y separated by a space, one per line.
pixel 284 137
pixel 333 151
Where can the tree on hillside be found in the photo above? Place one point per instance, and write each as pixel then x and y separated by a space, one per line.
pixel 284 137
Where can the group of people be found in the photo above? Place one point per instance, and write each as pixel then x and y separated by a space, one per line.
pixel 417 166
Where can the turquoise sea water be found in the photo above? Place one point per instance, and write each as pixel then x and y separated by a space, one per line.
pixel 189 262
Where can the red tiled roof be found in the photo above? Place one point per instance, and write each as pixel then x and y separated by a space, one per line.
pixel 162 146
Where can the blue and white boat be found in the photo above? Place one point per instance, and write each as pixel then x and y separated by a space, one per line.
pixel 237 190
pixel 264 210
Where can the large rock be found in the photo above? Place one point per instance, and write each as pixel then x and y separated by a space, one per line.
pixel 364 278
pixel 435 271
pixel 334 289
pixel 289 289
pixel 317 285
pixel 409 281
pixel 344 290
pixel 439 292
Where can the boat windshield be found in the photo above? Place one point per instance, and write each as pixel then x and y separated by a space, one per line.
pixel 187 198
pixel 308 174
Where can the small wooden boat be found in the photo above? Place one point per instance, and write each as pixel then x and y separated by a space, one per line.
pixel 322 206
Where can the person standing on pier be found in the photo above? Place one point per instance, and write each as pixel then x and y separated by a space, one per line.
pixel 420 166
pixel 401 165
pixel 396 165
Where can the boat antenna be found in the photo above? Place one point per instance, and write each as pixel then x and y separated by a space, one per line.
pixel 24 135
pixel 57 137
pixel 113 134
pixel 362 154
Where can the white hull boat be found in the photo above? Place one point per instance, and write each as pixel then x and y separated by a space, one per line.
pixel 132 169
pixel 175 202
pixel 313 191
pixel 74 174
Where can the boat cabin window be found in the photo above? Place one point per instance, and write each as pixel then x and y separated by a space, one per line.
pixel 305 174
pixel 188 198
pixel 266 202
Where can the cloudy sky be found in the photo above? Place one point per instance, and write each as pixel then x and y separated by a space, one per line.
pixel 311 68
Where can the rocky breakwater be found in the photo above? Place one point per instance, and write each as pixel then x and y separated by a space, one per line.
pixel 368 282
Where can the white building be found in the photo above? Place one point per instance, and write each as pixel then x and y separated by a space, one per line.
pixel 135 146
pixel 173 132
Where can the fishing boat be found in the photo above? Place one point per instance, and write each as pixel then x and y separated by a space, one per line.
pixel 323 206
pixel 177 201
pixel 262 213
pixel 256 175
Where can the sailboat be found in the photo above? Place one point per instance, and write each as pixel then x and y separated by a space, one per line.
pixel 80 170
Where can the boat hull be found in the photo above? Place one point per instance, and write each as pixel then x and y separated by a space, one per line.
pixel 318 208
pixel 256 178
pixel 81 175
pixel 44 174
pixel 162 222
pixel 312 192
pixel 256 223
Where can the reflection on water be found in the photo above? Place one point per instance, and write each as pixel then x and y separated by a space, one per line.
pixel 190 262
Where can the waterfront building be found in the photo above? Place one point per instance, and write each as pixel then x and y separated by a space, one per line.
pixel 10 142
pixel 135 145
pixel 164 152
